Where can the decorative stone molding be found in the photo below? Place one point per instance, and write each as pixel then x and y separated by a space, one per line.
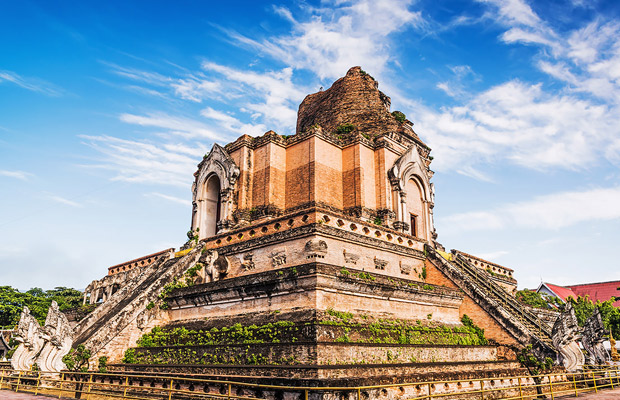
pixel 218 162
pixel 411 166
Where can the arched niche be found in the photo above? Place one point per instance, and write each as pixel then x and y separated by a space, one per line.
pixel 213 191
pixel 212 203
pixel 415 207
pixel 412 195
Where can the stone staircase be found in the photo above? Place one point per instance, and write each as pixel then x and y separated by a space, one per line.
pixel 131 301
pixel 513 316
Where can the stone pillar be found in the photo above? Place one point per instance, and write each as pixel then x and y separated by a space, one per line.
pixel 226 199
pixel 403 205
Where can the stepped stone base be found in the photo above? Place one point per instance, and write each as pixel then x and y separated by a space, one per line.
pixel 333 375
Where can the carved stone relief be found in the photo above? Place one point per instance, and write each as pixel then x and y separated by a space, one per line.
pixel 58 340
pixel 565 334
pixel 350 258
pixel 405 269
pixel 316 249
pixel 278 258
pixel 593 338
pixel 380 264
pixel 45 346
pixel 247 263
pixel 216 266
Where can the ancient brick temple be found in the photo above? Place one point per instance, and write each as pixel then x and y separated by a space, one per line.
pixel 325 240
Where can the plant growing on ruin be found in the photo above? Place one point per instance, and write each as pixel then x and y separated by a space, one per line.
pixel 468 322
pixel 103 364
pixel 377 221
pixel 535 366
pixel 345 128
pixel 399 116
pixel 77 359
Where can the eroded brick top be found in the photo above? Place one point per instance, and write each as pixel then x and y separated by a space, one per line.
pixel 353 99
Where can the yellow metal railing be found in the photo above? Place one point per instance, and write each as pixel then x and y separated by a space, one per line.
pixel 132 386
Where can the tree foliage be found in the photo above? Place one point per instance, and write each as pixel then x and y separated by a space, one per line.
pixel 538 300
pixel 584 308
pixel 12 301
pixel 77 359
pixel 532 298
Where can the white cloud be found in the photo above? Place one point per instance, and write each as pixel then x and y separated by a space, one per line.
pixel 524 124
pixel 147 162
pixel 548 212
pixel 185 127
pixel 232 124
pixel 492 256
pixel 173 199
pixel 271 95
pixel 343 34
pixel 65 201
pixel 16 174
pixel 32 84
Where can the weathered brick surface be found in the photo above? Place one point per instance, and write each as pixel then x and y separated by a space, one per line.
pixel 492 330
pixel 354 99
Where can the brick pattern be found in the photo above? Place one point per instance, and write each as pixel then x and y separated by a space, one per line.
pixel 492 330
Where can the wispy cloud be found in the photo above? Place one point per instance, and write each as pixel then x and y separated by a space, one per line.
pixel 523 124
pixel 548 212
pixel 147 162
pixel 186 127
pixel 16 174
pixel 65 201
pixel 32 84
pixel 330 40
pixel 173 199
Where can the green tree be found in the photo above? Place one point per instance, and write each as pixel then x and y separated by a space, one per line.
pixel 584 308
pixel 531 298
pixel 77 361
pixel 12 302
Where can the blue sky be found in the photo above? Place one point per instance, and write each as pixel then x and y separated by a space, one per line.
pixel 107 107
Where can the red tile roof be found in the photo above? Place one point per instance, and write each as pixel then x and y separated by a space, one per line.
pixel 561 291
pixel 601 291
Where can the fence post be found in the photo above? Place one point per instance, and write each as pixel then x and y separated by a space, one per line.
pixel 594 380
pixel 429 390
pixel 359 394
pixel 575 385
pixel 62 378
pixel 36 390
pixel 126 384
pixel 306 394
pixel 482 390
pixel 19 376
pixel 90 382
pixel 550 386
pixel 520 388
pixel 611 380
pixel 229 391
pixel 2 379
pixel 170 390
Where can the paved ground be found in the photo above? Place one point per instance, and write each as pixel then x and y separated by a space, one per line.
pixel 602 395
